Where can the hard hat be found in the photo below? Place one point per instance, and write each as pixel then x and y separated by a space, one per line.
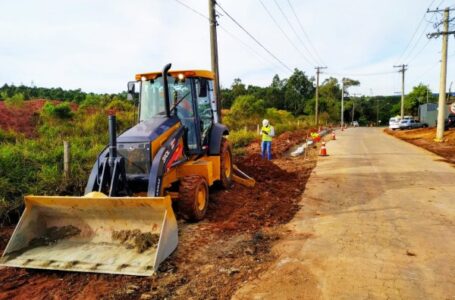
pixel 265 122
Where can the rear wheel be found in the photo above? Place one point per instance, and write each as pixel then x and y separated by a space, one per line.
pixel 225 164
pixel 193 197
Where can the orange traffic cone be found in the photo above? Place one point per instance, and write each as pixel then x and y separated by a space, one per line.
pixel 323 150
pixel 333 135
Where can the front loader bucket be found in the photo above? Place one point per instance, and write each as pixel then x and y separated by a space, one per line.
pixel 94 233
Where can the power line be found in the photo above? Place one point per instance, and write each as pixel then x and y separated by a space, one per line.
pixel 295 32
pixel 284 33
pixel 253 38
pixel 192 9
pixel 419 77
pixel 361 74
pixel 418 53
pixel 411 52
pixel 248 47
pixel 419 39
pixel 414 34
pixel 304 32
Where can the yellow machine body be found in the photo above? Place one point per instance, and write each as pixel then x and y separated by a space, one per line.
pixel 116 235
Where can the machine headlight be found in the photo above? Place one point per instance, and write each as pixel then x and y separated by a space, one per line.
pixel 137 157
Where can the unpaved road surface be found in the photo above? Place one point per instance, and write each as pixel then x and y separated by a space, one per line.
pixel 377 222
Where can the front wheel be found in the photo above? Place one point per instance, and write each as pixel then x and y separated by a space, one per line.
pixel 193 197
pixel 225 164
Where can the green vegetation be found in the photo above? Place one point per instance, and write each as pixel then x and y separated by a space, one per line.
pixel 419 95
pixel 16 100
pixel 35 166
pixel 241 138
pixel 60 111
pixel 76 96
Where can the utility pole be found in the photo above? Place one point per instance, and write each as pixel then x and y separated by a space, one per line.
pixel 443 75
pixel 377 107
pixel 316 108
pixel 402 70
pixel 214 56
pixel 342 102
pixel 353 96
pixel 353 111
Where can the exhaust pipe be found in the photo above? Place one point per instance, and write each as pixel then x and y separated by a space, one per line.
pixel 166 90
pixel 112 140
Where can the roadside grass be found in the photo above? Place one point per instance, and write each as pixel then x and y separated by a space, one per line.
pixel 35 166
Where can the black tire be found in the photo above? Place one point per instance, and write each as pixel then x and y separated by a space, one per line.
pixel 226 168
pixel 190 205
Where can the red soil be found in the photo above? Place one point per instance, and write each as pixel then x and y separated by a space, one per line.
pixel 24 119
pixel 21 119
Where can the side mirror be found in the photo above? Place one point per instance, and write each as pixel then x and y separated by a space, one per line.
pixel 132 93
pixel 203 89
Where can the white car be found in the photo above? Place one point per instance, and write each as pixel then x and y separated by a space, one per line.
pixel 355 124
pixel 394 123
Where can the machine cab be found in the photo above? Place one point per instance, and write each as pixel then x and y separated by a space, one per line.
pixel 184 95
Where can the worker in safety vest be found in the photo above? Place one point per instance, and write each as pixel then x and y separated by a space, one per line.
pixel 267 133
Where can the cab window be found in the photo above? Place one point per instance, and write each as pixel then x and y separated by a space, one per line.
pixel 181 96
pixel 204 108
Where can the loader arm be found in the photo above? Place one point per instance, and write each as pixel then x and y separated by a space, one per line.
pixel 160 164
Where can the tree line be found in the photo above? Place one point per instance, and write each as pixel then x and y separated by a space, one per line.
pixel 76 96
pixel 295 94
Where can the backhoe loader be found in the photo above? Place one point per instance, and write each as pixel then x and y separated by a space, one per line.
pixel 125 223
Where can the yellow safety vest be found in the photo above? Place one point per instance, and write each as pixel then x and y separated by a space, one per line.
pixel 266 137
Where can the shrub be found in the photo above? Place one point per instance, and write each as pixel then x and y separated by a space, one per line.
pixel 276 116
pixel 59 111
pixel 241 138
pixel 95 101
pixel 8 136
pixel 118 104
pixel 246 111
pixel 16 100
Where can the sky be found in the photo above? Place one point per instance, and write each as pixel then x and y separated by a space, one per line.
pixel 98 46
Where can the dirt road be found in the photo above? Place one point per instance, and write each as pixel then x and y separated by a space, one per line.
pixel 377 222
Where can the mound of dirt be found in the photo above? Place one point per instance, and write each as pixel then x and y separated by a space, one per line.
pixel 136 239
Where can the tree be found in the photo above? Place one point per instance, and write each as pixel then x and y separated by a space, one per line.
pixel 247 110
pixel 350 82
pixel 298 90
pixel 330 89
pixel 229 95
pixel 415 98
